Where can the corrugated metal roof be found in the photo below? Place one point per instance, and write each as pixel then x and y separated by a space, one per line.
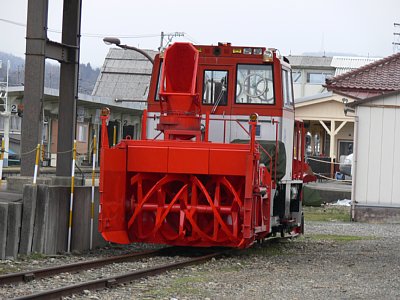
pixel 299 61
pixel 341 64
pixel 345 64
pixel 125 74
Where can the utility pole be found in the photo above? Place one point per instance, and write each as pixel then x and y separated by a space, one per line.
pixel 38 48
pixel 162 41
pixel 396 39
pixel 170 36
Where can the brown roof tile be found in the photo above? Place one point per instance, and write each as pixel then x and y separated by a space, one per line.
pixel 378 77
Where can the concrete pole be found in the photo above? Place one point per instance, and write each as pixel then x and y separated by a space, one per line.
pixel 332 147
pixel 68 87
pixel 161 42
pixel 36 37
pixel 98 144
pixel 38 47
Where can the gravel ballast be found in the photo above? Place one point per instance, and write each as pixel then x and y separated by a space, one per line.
pixel 333 260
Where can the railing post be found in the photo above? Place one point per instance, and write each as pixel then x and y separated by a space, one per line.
pixel 224 130
pixel 1 160
pixel 276 150
pixel 93 187
pixel 71 202
pixel 36 163
pixel 207 127
pixel 144 125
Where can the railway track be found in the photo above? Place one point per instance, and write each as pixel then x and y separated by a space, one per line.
pixel 26 276
pixel 108 282
pixel 103 282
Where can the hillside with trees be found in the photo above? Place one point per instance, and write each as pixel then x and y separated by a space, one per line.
pixel 87 74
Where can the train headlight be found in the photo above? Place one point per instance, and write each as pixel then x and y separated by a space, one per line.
pixel 268 55
pixel 247 50
pixel 236 50
pixel 253 117
pixel 257 51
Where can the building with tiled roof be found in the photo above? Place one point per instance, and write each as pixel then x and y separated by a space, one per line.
pixel 330 129
pixel 310 72
pixel 373 96
pixel 376 160
pixel 377 78
pixel 125 78
pixel 125 75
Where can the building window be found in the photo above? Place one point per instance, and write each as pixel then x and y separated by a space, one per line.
pixel 45 132
pixel 318 77
pixel 82 135
pixel 254 84
pixel 345 147
pixel 296 76
pixel 15 123
pixel 215 87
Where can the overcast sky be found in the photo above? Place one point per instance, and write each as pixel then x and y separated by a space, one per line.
pixel 362 28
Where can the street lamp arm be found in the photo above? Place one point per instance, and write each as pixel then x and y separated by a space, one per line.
pixel 117 42
pixel 144 53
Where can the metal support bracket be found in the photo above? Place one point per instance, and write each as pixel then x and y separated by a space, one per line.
pixel 61 52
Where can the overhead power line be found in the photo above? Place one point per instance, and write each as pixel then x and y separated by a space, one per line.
pixel 12 22
pixel 100 35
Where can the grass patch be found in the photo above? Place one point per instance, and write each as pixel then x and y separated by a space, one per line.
pixel 337 238
pixel 327 213
pixel 8 269
pixel 179 286
pixel 32 256
pixel 269 248
pixel 233 268
pixel 16 266
pixel 37 256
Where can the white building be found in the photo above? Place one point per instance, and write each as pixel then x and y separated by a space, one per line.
pixel 376 162
pixel 376 166
pixel 310 72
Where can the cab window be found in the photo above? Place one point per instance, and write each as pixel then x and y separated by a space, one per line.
pixel 287 90
pixel 215 87
pixel 254 84
pixel 157 96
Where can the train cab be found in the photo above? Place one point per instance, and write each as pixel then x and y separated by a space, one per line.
pixel 232 83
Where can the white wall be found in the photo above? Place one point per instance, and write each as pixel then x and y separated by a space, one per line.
pixel 303 88
pixel 307 89
pixel 377 177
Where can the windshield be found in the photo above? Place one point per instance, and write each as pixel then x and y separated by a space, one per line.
pixel 254 84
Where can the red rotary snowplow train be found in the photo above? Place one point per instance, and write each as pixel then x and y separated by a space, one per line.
pixel 220 161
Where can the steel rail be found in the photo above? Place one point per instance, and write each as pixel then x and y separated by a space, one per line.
pixel 74 267
pixel 114 280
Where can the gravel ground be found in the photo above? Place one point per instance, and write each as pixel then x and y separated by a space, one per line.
pixel 333 260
